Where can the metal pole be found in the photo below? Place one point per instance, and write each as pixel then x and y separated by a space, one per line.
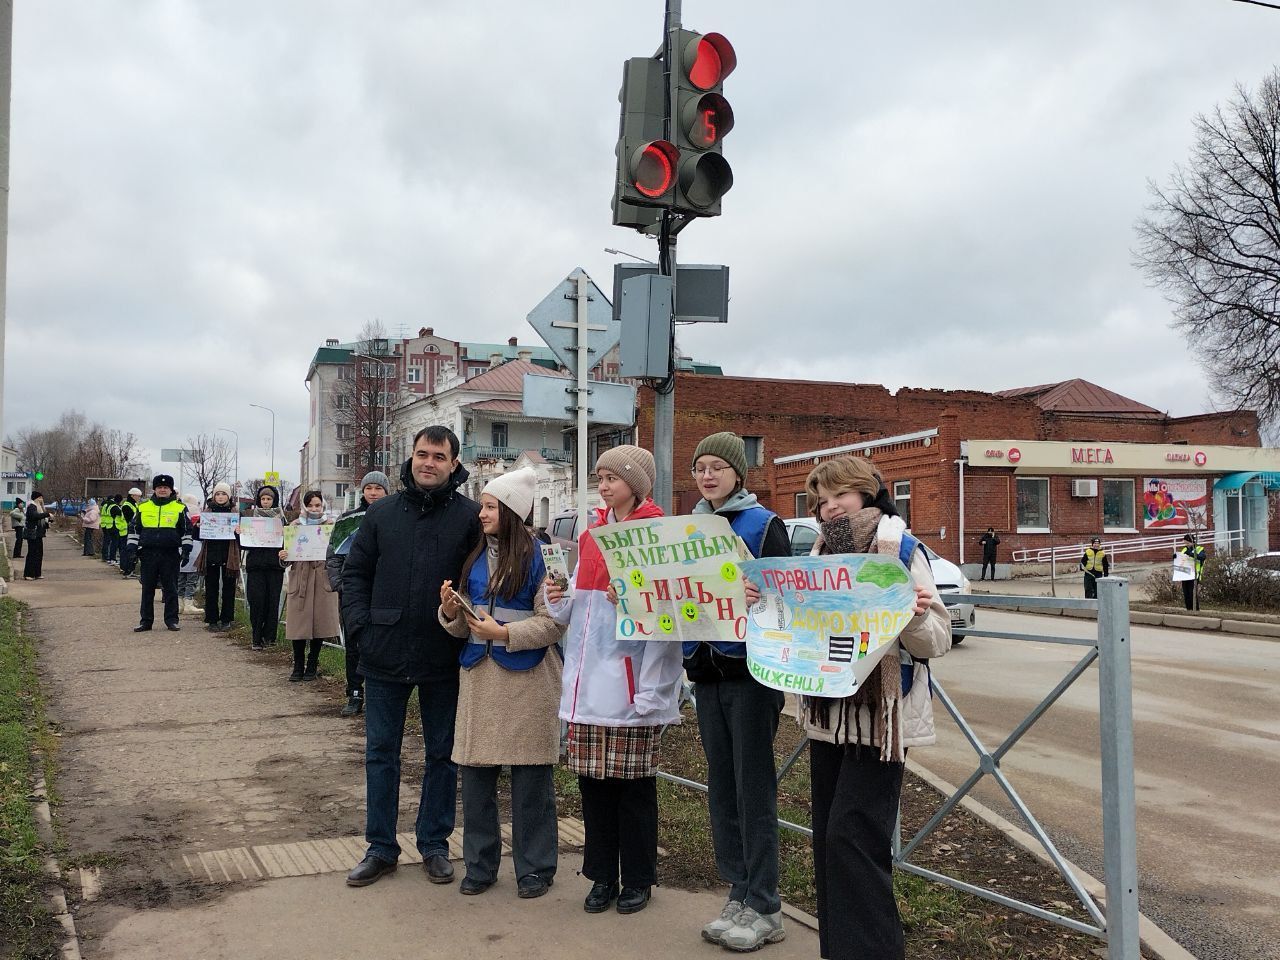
pixel 6 86
pixel 961 461
pixel 664 406
pixel 1115 703
pixel 581 338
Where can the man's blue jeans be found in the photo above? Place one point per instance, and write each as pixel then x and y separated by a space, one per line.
pixel 385 707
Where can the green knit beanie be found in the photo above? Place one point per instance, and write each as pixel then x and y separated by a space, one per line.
pixel 729 448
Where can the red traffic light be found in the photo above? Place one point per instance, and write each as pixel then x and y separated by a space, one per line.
pixel 708 59
pixel 653 168
pixel 706 120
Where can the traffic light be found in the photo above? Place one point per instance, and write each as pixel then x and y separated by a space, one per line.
pixel 701 118
pixel 39 474
pixel 646 169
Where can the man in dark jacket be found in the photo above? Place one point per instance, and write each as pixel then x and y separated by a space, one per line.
pixel 989 541
pixel 408 544
pixel 160 530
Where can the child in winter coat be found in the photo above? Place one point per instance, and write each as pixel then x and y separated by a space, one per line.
pixel 311 603
pixel 858 743
pixel 617 695
pixel 508 693
pixel 264 575
pixel 738 720
pixel 219 563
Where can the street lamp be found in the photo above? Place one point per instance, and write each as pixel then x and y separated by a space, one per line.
pixel 229 430
pixel 623 253
pixel 273 433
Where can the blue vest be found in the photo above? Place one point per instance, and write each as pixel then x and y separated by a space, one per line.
pixel 906 553
pixel 751 525
pixel 477 592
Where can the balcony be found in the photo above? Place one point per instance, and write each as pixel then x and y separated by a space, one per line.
pixel 472 453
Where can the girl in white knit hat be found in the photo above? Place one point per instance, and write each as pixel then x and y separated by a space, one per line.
pixel 507 693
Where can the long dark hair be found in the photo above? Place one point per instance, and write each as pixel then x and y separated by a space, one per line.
pixel 515 556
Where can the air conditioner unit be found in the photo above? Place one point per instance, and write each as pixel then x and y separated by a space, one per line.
pixel 1084 488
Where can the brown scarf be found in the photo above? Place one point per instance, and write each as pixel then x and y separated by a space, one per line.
pixel 882 692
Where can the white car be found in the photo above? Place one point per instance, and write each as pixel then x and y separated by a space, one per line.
pixel 803 532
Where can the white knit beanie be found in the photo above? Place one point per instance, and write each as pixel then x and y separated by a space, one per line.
pixel 222 487
pixel 515 489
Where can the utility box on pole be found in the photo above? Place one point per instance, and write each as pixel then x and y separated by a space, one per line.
pixel 645 350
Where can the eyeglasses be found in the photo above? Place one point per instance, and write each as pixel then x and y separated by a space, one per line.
pixel 710 471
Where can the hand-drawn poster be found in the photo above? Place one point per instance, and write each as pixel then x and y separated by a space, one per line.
pixel 218 526
pixel 307 541
pixel 823 623
pixel 1184 567
pixel 677 578
pixel 344 533
pixel 557 564
pixel 1175 503
pixel 261 532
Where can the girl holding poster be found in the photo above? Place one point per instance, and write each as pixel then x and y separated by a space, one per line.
pixel 311 604
pixel 617 695
pixel 858 744
pixel 738 720
pixel 507 694
pixel 264 575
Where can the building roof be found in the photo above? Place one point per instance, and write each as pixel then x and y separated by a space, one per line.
pixel 332 355
pixel 497 406
pixel 508 377
pixel 1081 396
pixel 483 351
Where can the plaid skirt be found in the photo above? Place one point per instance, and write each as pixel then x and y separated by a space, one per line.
pixel 624 753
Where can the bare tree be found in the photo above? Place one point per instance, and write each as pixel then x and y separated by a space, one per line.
pixel 72 450
pixel 210 461
pixel 1211 242
pixel 362 404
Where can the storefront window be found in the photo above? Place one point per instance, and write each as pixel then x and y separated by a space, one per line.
pixel 902 498
pixel 1117 505
pixel 1033 504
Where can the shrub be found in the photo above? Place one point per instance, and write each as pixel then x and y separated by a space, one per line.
pixel 1238 580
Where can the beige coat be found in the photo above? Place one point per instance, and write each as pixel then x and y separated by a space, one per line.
pixel 509 716
pixel 311 605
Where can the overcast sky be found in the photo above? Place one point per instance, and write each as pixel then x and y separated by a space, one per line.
pixel 931 194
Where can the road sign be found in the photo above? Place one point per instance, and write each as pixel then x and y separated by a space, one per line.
pixel 271 478
pixel 174 455
pixel 554 398
pixel 555 321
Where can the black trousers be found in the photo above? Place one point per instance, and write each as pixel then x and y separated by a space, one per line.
pixel 88 541
pixel 18 534
pixel 263 588
pixel 128 556
pixel 988 563
pixel 1090 586
pixel 35 559
pixel 219 594
pixel 620 818
pixel 355 679
pixel 855 808
pixel 159 568
pixel 1189 595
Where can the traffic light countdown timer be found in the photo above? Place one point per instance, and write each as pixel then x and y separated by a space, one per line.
pixel 689 175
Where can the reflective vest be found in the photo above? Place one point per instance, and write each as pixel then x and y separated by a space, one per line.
pixel 509 610
pixel 1198 553
pixel 163 516
pixel 1093 560
pixel 124 513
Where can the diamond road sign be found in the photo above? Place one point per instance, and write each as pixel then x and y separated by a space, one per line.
pixel 555 320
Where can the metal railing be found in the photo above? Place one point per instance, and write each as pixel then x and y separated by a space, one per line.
pixel 473 452
pixel 1118 924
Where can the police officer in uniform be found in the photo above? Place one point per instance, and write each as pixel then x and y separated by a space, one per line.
pixel 161 530
pixel 1095 563
pixel 1190 588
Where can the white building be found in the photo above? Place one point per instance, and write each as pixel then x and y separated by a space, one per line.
pixel 15 482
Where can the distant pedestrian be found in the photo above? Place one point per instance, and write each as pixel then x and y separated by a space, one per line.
pixel 408 544
pixel 37 526
pixel 160 536
pixel 219 562
pixel 311 604
pixel 264 574
pixel 617 696
pixel 188 574
pixel 989 542
pixel 125 518
pixel 1191 588
pixel 373 488
pixel 18 520
pixel 89 523
pixel 108 517
pixel 1095 563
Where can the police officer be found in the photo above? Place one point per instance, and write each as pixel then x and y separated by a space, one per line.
pixel 124 523
pixel 161 530
pixel 1095 563
pixel 1190 588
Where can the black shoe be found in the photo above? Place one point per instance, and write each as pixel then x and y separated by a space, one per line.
pixel 172 626
pixel 227 625
pixel 531 886
pixel 470 887
pixel 353 707
pixel 601 895
pixel 438 868
pixel 293 677
pixel 259 645
pixel 369 870
pixel 633 899
pixel 309 673
pixel 142 628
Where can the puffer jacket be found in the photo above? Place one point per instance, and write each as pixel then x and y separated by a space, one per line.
pixel 607 680
pixel 407 545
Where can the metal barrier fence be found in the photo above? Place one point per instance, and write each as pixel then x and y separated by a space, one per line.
pixel 1118 924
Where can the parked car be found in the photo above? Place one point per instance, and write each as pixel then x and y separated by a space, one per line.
pixel 803 532
pixel 563 529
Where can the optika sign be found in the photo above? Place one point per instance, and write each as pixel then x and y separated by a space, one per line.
pixel 1092 455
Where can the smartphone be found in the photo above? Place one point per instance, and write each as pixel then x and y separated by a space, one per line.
pixel 467 608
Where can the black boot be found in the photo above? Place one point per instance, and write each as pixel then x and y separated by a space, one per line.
pixel 299 652
pixel 313 660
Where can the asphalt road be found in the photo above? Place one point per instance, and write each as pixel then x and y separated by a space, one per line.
pixel 1207 755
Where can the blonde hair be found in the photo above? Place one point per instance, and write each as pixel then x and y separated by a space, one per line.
pixel 840 475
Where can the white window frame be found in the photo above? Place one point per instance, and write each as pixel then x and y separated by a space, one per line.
pixel 1133 504
pixel 341 402
pixel 342 461
pixel 340 490
pixel 413 375
pixel 758 459
pixel 1048 491
pixel 802 505
pixel 898 498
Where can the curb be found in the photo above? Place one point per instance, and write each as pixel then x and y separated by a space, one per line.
pixel 1254 629
pixel 1153 939
pixel 57 900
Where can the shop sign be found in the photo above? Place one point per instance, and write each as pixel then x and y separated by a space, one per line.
pixel 1014 454
pixel 1175 503
pixel 1092 455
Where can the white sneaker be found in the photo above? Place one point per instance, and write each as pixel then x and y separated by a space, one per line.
pixel 753 930
pixel 718 927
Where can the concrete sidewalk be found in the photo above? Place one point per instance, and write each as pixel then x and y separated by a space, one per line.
pixel 180 749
